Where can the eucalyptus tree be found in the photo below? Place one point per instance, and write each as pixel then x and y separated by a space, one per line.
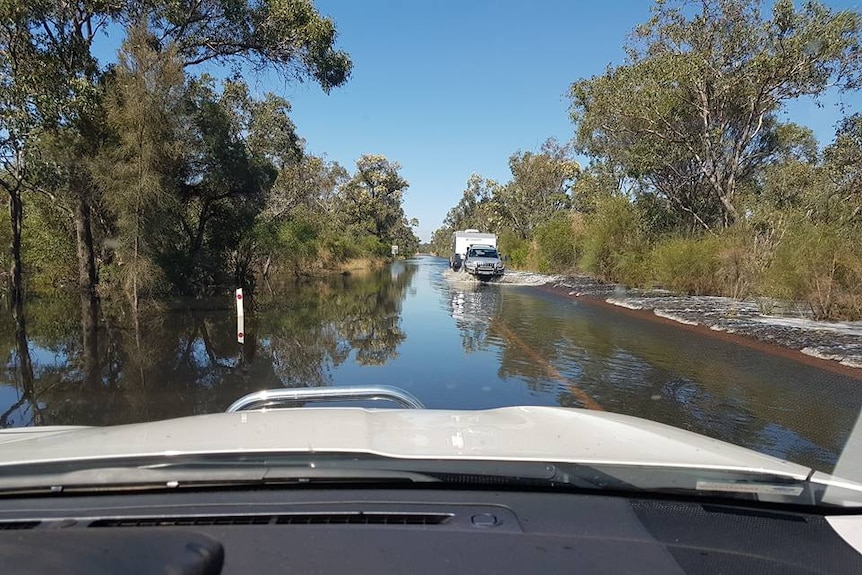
pixel 441 241
pixel 371 201
pixel 31 95
pixel 52 81
pixel 299 217
pixel 692 114
pixel 539 189
pixel 221 188
pixel 36 96
pixel 309 182
pixel 844 160
pixel 477 207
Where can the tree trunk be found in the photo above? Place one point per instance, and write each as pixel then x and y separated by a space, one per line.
pixel 16 220
pixel 16 300
pixel 86 252
pixel 90 340
pixel 87 287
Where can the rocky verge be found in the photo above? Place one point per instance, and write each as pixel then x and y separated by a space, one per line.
pixel 768 321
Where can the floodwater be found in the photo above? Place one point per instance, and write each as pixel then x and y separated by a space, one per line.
pixel 451 342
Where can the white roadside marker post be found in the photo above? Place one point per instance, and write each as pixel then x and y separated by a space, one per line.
pixel 240 318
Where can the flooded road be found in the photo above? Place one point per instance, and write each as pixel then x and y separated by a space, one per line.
pixel 452 343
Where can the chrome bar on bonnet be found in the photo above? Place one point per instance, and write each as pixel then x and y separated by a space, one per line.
pixel 278 397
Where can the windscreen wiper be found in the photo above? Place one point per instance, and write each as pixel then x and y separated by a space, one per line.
pixel 114 479
pixel 225 470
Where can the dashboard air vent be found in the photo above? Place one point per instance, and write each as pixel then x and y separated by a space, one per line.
pixel 356 518
pixel 17 525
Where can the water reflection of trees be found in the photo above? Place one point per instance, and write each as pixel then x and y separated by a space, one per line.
pixel 473 306
pixel 638 367
pixel 184 359
pixel 319 325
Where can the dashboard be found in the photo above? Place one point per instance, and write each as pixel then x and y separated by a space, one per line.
pixel 409 530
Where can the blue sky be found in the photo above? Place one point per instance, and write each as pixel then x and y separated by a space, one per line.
pixel 451 87
pixel 448 87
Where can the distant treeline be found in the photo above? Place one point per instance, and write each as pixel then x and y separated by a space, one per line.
pixel 695 181
pixel 148 177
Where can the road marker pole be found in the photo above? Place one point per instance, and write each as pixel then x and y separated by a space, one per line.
pixel 240 318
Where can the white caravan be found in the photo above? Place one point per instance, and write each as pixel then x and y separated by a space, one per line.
pixel 461 242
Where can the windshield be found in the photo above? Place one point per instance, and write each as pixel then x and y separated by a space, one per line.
pixel 482 253
pixel 212 201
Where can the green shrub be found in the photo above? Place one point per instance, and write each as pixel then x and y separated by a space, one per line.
pixel 820 264
pixel 687 265
pixel 743 255
pixel 341 248
pixel 556 244
pixel 372 246
pixel 614 247
pixel 296 243
pixel 632 267
pixel 48 256
pixel 514 249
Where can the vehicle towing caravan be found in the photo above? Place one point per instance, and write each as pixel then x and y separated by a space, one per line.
pixel 476 252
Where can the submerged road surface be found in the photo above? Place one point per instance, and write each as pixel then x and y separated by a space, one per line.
pixel 452 342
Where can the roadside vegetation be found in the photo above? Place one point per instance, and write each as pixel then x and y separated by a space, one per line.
pixel 694 178
pixel 149 177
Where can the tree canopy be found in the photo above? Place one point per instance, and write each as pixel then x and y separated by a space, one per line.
pixel 54 90
pixel 692 114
